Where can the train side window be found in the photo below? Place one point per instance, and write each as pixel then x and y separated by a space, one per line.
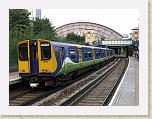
pixel 103 53
pixel 23 52
pixel 72 54
pixel 107 53
pixel 45 51
pixel 85 54
pixel 89 54
pixel 97 54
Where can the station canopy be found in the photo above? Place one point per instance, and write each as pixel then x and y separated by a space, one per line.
pixel 91 31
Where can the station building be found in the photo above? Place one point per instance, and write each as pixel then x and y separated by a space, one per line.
pixel 135 33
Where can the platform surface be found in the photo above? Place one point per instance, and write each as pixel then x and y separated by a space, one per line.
pixel 14 78
pixel 127 93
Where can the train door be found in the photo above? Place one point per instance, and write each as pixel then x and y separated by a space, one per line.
pixel 106 53
pixel 80 55
pixel 93 56
pixel 61 58
pixel 61 55
pixel 33 58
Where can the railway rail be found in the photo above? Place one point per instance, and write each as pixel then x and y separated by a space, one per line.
pixel 30 97
pixel 59 97
pixel 99 92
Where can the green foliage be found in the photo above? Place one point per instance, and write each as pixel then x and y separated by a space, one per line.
pixel 42 28
pixel 73 38
pixel 19 18
pixel 22 28
pixel 19 23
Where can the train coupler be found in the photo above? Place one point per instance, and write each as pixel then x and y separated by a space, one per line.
pixel 35 82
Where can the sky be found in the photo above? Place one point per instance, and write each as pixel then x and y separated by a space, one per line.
pixel 120 20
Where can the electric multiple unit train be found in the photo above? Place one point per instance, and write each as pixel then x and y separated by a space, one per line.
pixel 43 61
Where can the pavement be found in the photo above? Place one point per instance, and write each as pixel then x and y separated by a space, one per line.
pixel 127 93
pixel 14 78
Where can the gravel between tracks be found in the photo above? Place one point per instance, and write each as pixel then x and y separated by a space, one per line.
pixel 60 96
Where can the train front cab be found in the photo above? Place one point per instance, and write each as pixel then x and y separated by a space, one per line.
pixel 36 59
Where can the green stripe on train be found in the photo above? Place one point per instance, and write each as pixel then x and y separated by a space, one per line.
pixel 69 67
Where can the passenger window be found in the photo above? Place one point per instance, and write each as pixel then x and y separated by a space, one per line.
pixel 85 54
pixel 103 54
pixel 97 54
pixel 23 52
pixel 45 51
pixel 107 53
pixel 72 54
pixel 89 53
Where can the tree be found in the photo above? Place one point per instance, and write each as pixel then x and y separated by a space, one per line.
pixel 21 27
pixel 19 22
pixel 73 38
pixel 19 18
pixel 42 28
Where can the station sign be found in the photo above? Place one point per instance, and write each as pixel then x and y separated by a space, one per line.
pixel 117 42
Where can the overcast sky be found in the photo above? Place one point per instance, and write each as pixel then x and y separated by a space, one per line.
pixel 120 20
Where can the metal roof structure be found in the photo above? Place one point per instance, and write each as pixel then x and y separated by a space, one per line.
pixel 91 31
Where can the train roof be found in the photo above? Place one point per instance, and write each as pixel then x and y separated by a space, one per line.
pixel 77 45
pixel 69 44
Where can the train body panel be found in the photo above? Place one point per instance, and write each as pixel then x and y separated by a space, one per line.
pixel 50 59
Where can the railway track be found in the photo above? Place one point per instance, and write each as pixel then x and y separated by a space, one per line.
pixel 29 97
pixel 100 91
pixel 68 92
pixel 26 97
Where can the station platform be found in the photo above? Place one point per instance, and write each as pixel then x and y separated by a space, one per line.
pixel 127 93
pixel 14 78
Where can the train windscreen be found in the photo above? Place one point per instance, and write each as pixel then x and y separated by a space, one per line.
pixel 23 52
pixel 45 51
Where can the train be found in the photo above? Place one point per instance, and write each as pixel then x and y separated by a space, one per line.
pixel 44 62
